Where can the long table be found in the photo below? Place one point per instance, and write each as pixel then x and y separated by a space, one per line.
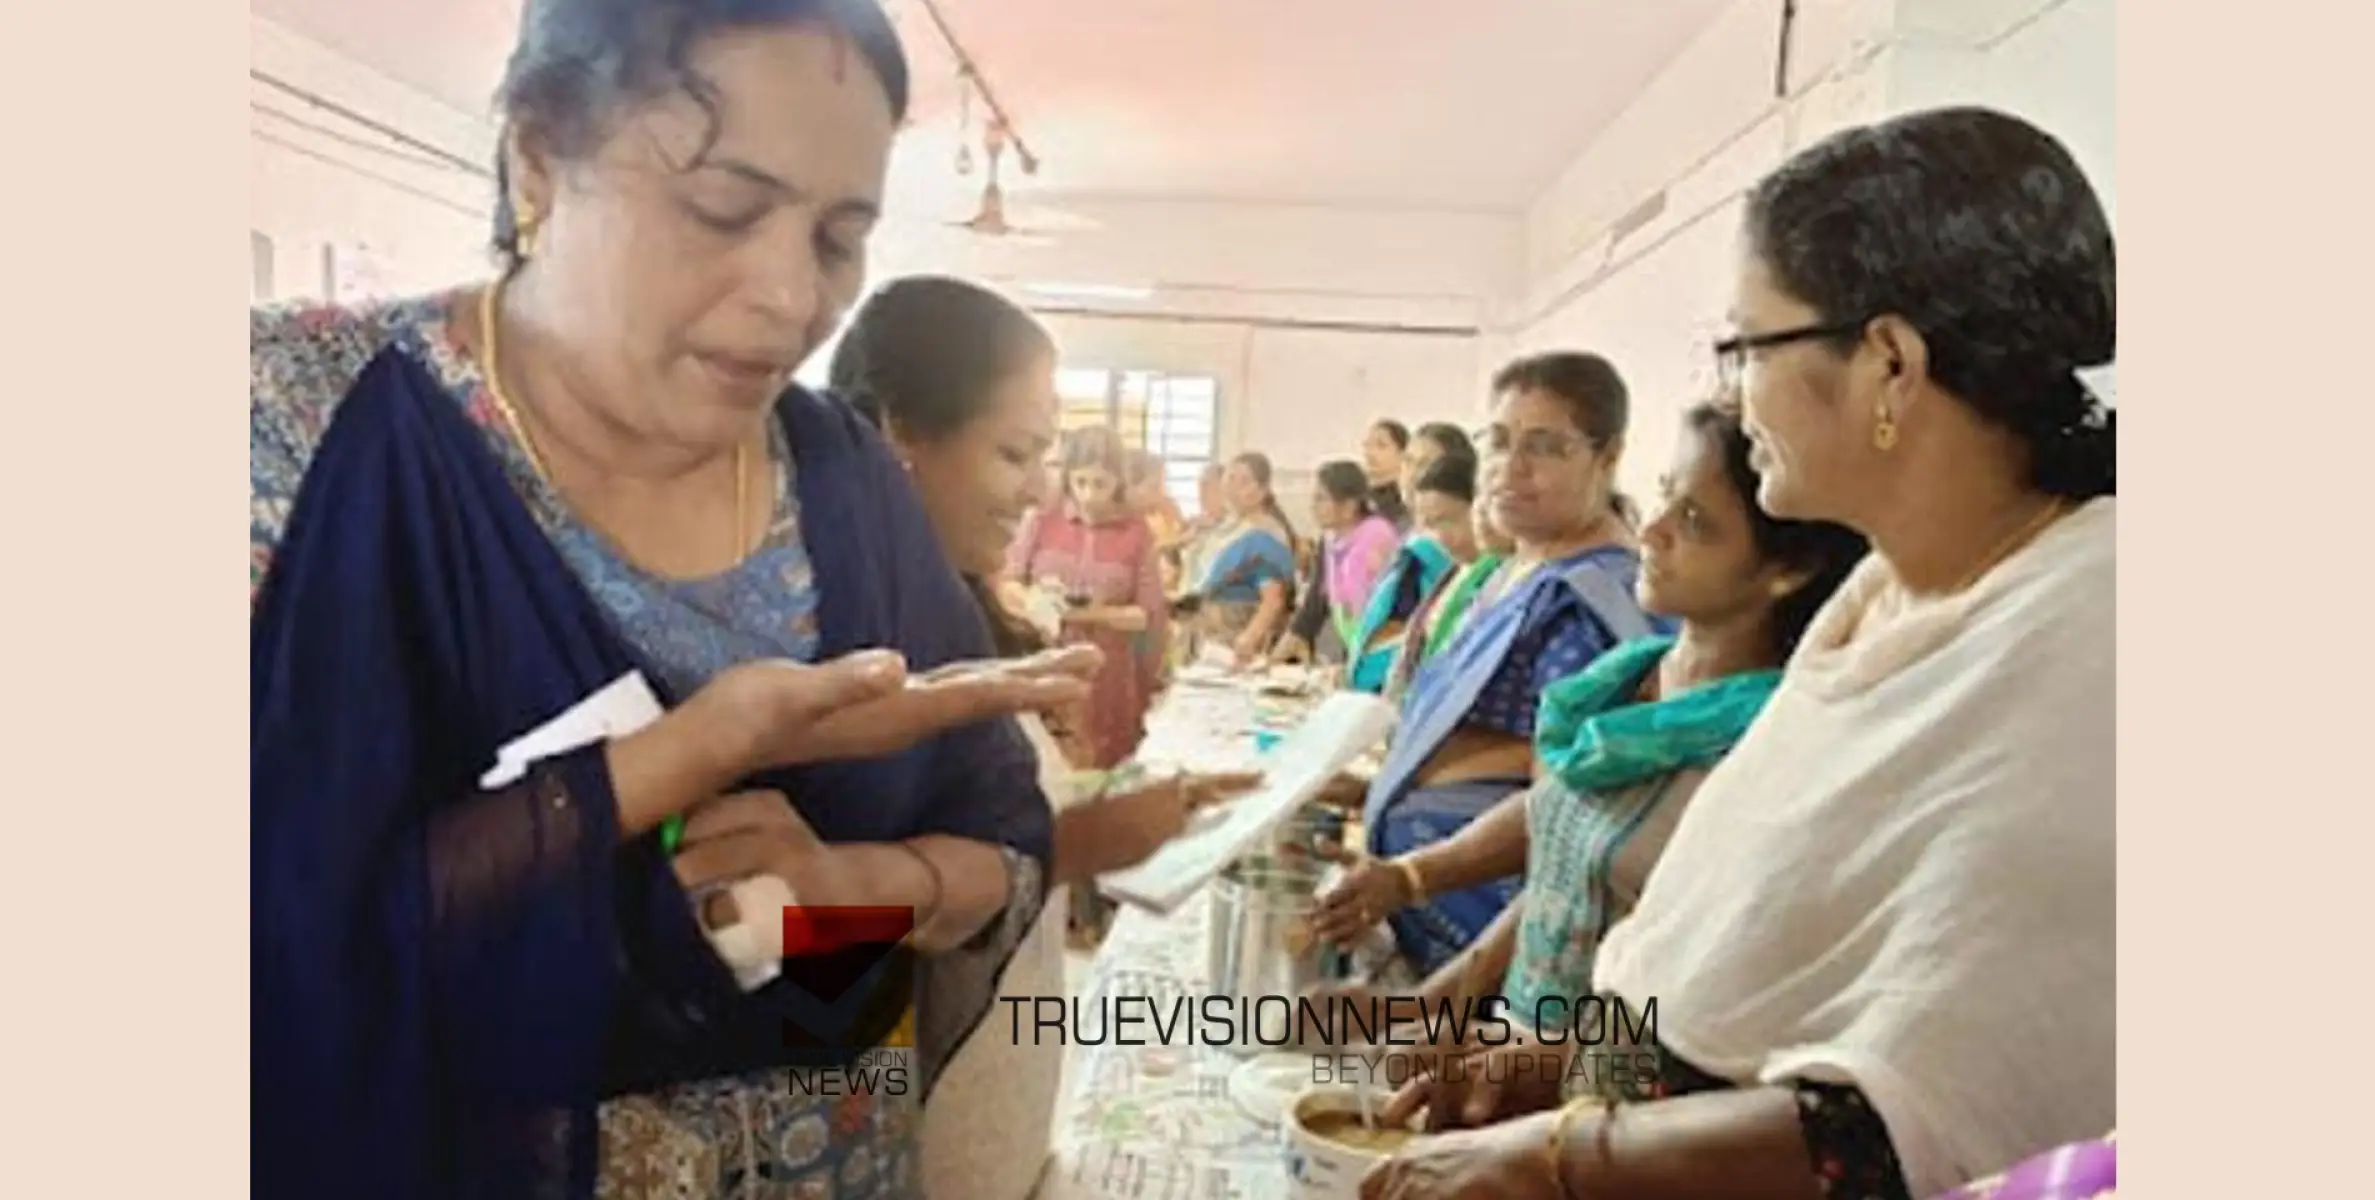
pixel 1158 1122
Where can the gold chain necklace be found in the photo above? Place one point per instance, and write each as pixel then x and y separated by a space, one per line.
pixel 2007 547
pixel 487 361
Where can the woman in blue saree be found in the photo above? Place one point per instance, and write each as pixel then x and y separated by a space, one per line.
pixel 1564 597
pixel 485 977
pixel 1243 600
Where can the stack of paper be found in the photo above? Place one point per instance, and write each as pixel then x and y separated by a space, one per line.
pixel 1339 731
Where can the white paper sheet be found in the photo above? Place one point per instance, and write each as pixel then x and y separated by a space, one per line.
pixel 1340 730
pixel 622 707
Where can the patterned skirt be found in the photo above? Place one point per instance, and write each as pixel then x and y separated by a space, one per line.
pixel 762 1137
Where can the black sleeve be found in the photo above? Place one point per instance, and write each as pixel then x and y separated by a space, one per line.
pixel 1311 616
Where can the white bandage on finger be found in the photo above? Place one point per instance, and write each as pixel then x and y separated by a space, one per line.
pixel 753 945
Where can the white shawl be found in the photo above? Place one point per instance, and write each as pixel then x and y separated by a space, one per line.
pixel 1902 877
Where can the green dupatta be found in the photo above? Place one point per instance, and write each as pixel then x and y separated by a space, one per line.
pixel 1595 736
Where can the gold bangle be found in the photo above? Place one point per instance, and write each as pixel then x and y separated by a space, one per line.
pixel 1411 878
pixel 1554 1152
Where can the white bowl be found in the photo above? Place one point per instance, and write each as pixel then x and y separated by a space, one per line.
pixel 1320 1168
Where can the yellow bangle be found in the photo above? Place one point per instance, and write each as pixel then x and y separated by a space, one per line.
pixel 1411 878
pixel 1554 1152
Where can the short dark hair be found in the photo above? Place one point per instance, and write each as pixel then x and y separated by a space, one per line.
pixel 1344 480
pixel 578 62
pixel 1824 552
pixel 1587 384
pixel 1452 438
pixel 1257 464
pixel 1594 394
pixel 1395 432
pixel 927 351
pixel 1452 475
pixel 1978 229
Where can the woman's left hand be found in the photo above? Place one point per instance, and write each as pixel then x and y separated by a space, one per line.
pixel 1510 1159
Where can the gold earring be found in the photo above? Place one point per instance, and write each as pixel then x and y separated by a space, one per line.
pixel 523 237
pixel 1884 429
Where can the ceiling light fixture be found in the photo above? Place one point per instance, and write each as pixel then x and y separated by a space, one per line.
pixel 970 71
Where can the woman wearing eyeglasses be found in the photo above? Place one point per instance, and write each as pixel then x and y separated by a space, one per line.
pixel 1563 597
pixel 1880 941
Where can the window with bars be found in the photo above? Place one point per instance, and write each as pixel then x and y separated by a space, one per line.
pixel 1175 416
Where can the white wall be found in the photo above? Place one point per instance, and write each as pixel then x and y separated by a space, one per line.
pixel 316 178
pixel 2052 63
pixel 1653 299
pixel 1315 320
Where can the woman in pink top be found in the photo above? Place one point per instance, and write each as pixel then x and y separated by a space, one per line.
pixel 1359 544
pixel 1099 554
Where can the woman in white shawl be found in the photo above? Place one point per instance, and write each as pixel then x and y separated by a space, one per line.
pixel 1879 946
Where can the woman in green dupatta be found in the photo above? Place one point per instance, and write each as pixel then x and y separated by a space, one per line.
pixel 1443 509
pixel 1621 745
pixel 1425 558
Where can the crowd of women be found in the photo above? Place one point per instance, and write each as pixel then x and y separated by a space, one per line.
pixel 1813 753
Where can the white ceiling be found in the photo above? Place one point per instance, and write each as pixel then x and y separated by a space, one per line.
pixel 1381 103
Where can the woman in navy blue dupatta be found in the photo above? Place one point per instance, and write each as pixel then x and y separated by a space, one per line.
pixel 472 511
pixel 1563 598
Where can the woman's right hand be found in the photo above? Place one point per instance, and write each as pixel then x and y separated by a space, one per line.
pixel 775 714
pixel 1494 1084
pixel 1367 892
pixel 774 705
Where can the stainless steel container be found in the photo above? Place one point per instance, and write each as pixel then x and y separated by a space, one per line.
pixel 1303 832
pixel 1260 947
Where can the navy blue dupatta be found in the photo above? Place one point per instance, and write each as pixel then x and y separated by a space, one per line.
pixel 446 982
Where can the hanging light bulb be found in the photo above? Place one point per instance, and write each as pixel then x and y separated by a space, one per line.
pixel 964 122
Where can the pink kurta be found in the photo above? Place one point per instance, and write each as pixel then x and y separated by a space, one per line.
pixel 1109 564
